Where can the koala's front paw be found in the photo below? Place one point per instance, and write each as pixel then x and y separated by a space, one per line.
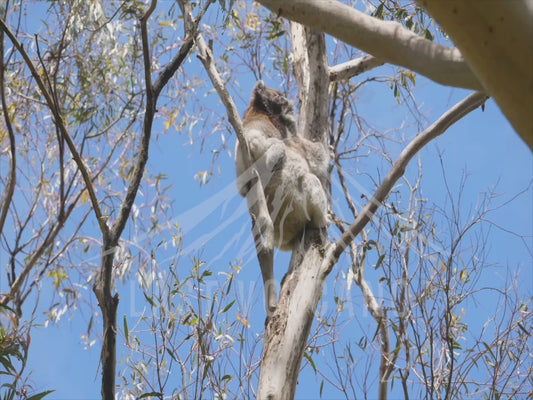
pixel 275 156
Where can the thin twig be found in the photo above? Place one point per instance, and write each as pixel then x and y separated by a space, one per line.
pixel 58 119
pixel 440 126
pixel 10 190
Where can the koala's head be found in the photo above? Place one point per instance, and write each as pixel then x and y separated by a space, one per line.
pixel 276 106
pixel 271 101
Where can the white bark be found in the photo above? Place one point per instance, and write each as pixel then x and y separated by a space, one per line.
pixel 312 73
pixel 386 40
pixel 288 328
pixel 496 38
pixel 352 68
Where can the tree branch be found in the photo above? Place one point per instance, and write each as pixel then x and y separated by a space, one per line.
pixel 353 68
pixel 191 31
pixel 9 192
pixel 142 158
pixel 440 126
pixel 386 40
pixel 103 287
pixel 288 329
pixel 34 259
pixel 495 39
pixel 58 119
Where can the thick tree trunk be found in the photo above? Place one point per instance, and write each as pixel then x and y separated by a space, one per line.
pixel 109 347
pixel 288 328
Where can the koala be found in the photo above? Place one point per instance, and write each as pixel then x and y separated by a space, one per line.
pixel 294 173
pixel 293 170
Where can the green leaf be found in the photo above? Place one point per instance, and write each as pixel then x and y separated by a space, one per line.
pixel 149 299
pixel 151 394
pixel 396 91
pixel 39 396
pixel 207 273
pixel 489 349
pixel 126 330
pixel 380 260
pixel 8 366
pixel 171 354
pixel 229 285
pixel 379 11
pixel 308 358
pixel 228 306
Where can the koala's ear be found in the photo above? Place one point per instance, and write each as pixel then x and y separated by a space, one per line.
pixel 260 85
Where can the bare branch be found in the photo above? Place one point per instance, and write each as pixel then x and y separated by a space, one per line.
pixel 8 194
pixel 142 158
pixel 58 119
pixel 207 58
pixel 386 40
pixel 262 225
pixel 353 68
pixel 233 114
pixel 440 126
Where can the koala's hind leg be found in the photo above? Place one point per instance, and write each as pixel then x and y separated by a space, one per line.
pixel 316 202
